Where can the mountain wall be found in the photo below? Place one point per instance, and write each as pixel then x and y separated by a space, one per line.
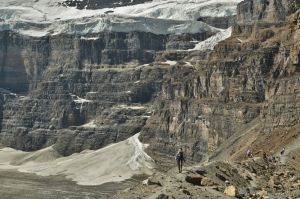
pixel 249 80
pixel 1 110
pixel 24 59
pixel 81 92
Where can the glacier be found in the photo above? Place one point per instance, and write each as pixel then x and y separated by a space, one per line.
pixel 39 18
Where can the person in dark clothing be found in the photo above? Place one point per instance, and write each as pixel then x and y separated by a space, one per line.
pixel 179 159
pixel 249 153
pixel 266 159
pixel 282 151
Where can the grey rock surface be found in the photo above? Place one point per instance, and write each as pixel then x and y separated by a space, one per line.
pixel 248 77
pixel 98 4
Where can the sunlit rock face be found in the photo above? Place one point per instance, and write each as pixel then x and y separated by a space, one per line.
pixel 250 80
pixel 273 11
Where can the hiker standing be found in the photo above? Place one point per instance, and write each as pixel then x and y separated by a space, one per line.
pixel 179 159
pixel 282 151
pixel 281 155
pixel 265 158
pixel 249 153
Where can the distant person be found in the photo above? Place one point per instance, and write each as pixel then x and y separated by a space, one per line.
pixel 227 183
pixel 274 160
pixel 249 153
pixel 282 151
pixel 270 158
pixel 265 158
pixel 179 159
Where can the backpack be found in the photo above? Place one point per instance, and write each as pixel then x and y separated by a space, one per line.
pixel 179 156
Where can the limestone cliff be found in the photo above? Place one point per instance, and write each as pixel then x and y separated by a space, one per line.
pixel 89 88
pixel 249 80
pixel 25 59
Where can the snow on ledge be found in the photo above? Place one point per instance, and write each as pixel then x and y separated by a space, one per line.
pixel 210 43
pixel 89 38
pixel 123 106
pixel 90 124
pixel 80 100
pixel 169 62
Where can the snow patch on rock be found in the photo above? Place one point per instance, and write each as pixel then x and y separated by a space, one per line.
pixel 210 43
pixel 169 62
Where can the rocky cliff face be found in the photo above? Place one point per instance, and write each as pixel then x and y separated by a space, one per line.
pixel 79 95
pixel 84 92
pixel 273 11
pixel 81 92
pixel 1 109
pixel 24 59
pixel 250 79
pixel 98 4
pixel 219 22
pixel 97 106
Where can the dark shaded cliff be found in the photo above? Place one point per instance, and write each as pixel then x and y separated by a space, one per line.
pixel 1 109
pixel 81 92
pixel 24 59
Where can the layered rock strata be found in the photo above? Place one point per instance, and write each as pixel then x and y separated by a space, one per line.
pixel 24 59
pixel 84 92
pixel 250 79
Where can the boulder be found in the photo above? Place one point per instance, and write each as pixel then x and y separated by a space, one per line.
pixel 221 177
pixel 195 180
pixel 207 182
pixel 162 196
pixel 261 193
pixel 231 191
pixel 150 181
pixel 186 192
